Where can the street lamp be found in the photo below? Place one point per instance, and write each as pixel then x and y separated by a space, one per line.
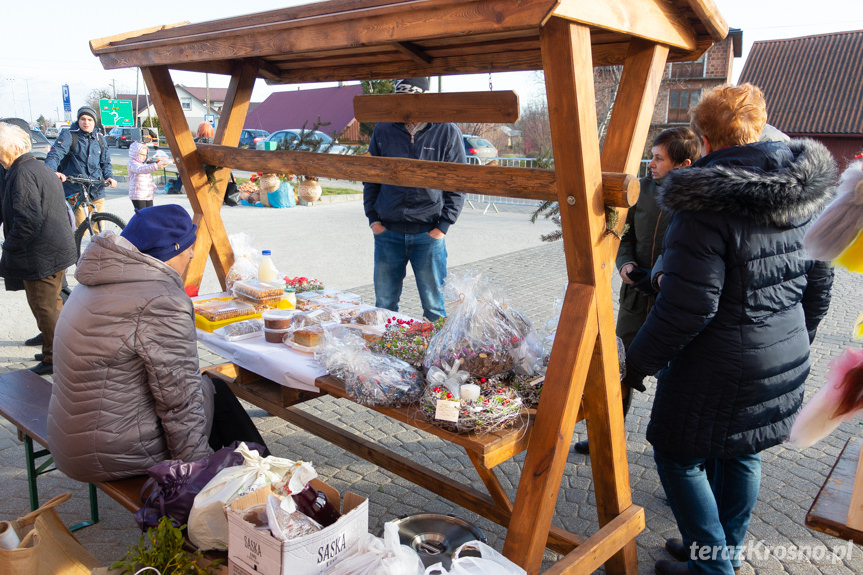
pixel 29 105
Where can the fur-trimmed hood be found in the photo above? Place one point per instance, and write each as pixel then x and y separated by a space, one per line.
pixel 772 183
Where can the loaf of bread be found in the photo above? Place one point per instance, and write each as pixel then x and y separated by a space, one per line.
pixel 307 337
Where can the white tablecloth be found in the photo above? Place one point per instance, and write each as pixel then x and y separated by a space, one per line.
pixel 275 361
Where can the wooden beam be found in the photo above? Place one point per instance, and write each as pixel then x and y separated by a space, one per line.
pixel 555 420
pixel 595 551
pixel 190 168
pixel 412 51
pixel 500 107
pixel 655 20
pixel 370 23
pixel 102 43
pixel 530 183
pixel 233 115
pixel 710 17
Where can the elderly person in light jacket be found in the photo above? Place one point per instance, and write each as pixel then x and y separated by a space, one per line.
pixel 127 390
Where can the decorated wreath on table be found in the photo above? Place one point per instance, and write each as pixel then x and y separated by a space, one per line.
pixel 495 408
pixel 407 340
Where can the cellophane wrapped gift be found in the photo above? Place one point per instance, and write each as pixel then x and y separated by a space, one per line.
pixel 483 331
pixel 245 266
pixel 370 378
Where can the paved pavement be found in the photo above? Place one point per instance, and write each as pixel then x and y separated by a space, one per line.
pixel 332 242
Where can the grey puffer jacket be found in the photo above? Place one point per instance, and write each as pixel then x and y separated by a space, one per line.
pixel 127 389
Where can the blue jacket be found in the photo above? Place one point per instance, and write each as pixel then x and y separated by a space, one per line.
pixel 414 210
pixel 728 333
pixel 89 160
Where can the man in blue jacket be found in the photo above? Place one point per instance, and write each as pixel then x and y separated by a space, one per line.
pixel 409 224
pixel 82 151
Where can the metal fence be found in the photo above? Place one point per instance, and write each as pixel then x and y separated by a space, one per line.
pixel 491 202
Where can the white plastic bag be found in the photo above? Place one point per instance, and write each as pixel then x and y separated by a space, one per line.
pixel 208 524
pixel 375 556
pixel 490 562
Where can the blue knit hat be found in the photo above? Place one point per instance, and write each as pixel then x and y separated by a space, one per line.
pixel 161 231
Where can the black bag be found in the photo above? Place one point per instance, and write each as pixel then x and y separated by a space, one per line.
pixel 175 186
pixel 171 489
pixel 232 192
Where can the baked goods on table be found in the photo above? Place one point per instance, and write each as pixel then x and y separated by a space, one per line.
pixel 257 289
pixel 278 318
pixel 373 316
pixel 241 329
pixel 315 316
pixel 222 309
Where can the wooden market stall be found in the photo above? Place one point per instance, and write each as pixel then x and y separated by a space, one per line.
pixel 342 40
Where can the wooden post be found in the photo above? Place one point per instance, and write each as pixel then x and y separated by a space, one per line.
pixel 228 133
pixel 191 170
pixel 585 347
pixel 630 121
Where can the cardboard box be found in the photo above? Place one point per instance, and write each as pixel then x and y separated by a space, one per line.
pixel 256 550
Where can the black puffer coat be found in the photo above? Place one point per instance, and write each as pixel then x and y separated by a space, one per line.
pixel 38 234
pixel 728 333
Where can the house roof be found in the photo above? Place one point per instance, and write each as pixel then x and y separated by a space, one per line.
pixel 409 38
pixel 295 108
pixel 813 84
pixel 216 94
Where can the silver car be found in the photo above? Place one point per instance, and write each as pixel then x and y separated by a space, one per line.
pixel 313 141
pixel 479 150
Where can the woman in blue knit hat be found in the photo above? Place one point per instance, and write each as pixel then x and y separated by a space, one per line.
pixel 128 392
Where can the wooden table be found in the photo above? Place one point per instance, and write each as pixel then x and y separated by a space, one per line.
pixel 485 450
pixel 829 511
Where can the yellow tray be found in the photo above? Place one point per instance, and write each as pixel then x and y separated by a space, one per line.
pixel 207 325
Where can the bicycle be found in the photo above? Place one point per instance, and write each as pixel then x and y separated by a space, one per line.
pixel 94 222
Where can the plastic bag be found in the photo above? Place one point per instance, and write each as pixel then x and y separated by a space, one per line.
pixel 282 197
pixel 489 562
pixel 819 418
pixel 375 556
pixel 482 331
pixel 208 524
pixel 245 265
pixel 370 378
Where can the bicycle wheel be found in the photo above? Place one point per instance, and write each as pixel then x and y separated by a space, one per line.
pixel 101 221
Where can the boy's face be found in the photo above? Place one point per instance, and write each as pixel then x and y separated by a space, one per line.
pixel 661 163
pixel 86 123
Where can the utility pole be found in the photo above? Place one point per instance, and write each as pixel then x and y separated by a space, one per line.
pixel 29 104
pixel 114 85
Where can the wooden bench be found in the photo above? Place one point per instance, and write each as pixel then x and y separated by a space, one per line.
pixel 24 398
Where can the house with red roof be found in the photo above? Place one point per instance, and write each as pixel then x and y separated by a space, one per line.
pixel 814 88
pixel 333 107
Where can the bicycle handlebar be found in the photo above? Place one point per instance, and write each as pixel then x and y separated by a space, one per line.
pixel 89 181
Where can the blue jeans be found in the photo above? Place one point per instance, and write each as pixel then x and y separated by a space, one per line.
pixel 427 257
pixel 712 513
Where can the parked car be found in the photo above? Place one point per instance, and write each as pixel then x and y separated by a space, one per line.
pixel 250 138
pixel 40 144
pixel 122 137
pixel 51 132
pixel 479 148
pixel 313 141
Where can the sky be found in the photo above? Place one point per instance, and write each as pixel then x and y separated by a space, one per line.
pixel 45 44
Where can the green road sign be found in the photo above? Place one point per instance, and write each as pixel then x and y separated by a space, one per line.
pixel 116 112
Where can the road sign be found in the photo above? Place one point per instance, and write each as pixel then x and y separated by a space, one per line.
pixel 67 102
pixel 116 112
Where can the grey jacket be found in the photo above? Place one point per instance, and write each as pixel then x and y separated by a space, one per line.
pixel 127 389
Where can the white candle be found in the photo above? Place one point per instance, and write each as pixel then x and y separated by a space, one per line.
pixel 469 392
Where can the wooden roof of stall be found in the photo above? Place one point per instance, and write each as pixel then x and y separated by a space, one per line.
pixel 377 39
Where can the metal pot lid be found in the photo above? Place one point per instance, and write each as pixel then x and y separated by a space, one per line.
pixel 435 536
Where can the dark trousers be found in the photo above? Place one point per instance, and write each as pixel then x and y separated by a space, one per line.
pixel 230 420
pixel 43 296
pixel 141 204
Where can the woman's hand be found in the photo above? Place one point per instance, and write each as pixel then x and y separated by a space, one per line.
pixel 625 270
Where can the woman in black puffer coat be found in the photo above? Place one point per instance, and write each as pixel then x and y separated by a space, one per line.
pixel 729 335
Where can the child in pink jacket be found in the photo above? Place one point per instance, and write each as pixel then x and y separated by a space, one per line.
pixel 141 185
